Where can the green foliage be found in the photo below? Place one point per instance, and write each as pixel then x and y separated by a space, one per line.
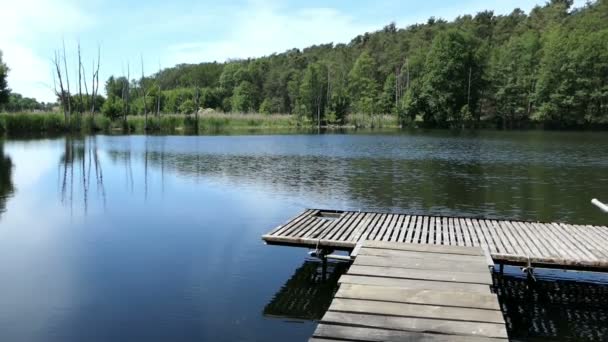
pixel 4 89
pixel 113 107
pixel 245 98
pixel 313 92
pixel 548 66
pixel 187 107
pixel 362 84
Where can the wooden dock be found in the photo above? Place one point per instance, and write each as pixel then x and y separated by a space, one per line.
pixel 555 245
pixel 412 292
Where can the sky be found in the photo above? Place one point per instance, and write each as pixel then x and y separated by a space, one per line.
pixel 166 33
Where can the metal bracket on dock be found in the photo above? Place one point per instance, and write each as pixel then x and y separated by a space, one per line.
pixel 529 271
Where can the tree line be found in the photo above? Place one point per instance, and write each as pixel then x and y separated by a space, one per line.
pixel 549 66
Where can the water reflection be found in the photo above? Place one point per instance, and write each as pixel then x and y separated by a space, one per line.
pixel 553 310
pixel 78 164
pixel 420 175
pixel 6 182
pixel 308 293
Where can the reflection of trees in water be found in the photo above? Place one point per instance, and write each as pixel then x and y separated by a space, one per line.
pixel 308 293
pixel 553 310
pixel 80 163
pixel 6 182
pixel 432 186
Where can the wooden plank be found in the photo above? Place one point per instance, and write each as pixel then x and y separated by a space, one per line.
pixel 353 234
pixel 409 238
pixel 302 223
pixel 289 223
pixel 412 254
pixel 431 236
pixel 556 243
pixel 398 227
pixel 590 241
pixel 369 228
pixel 307 242
pixel 347 223
pixel 413 284
pixel 420 263
pixel 315 225
pixel 497 242
pixel 469 235
pixel 319 232
pixel 531 240
pixel 424 238
pixel 391 227
pixel 451 232
pixel 420 296
pixel 377 227
pixel 385 226
pixel 509 242
pixel 416 310
pixel 529 249
pixel 573 242
pixel 410 273
pixel 442 249
pixel 417 324
pixel 445 232
pixel 352 333
pixel 404 229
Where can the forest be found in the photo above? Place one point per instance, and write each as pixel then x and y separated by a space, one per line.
pixel 548 67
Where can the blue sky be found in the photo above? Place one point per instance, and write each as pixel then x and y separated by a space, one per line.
pixel 188 31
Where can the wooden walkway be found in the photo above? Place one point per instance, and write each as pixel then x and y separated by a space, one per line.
pixel 506 242
pixel 411 292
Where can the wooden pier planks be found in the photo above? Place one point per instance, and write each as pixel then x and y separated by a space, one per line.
pixel 510 242
pixel 406 303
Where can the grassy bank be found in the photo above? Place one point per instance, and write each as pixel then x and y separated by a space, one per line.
pixel 36 123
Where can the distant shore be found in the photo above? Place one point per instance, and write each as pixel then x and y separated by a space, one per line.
pixel 208 123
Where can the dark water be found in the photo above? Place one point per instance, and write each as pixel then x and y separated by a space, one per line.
pixel 158 238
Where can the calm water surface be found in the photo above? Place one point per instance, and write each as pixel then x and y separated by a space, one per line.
pixel 112 238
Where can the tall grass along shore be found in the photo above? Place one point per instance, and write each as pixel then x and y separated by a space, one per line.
pixel 37 123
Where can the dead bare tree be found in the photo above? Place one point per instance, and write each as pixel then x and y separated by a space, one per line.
pixel 95 81
pixel 125 94
pixel 143 92
pixel 86 89
pixel 159 92
pixel 80 104
pixel 67 80
pixel 61 94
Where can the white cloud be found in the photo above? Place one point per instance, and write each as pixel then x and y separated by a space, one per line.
pixel 26 24
pixel 262 29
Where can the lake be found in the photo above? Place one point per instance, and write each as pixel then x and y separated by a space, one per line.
pixel 155 238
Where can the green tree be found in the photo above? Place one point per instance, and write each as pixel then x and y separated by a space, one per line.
pixel 313 92
pixel 514 73
pixel 386 104
pixel 363 86
pixel 449 69
pixel 4 89
pixel 113 107
pixel 187 107
pixel 244 98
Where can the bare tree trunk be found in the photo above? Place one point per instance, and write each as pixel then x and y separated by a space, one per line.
pixel 159 93
pixel 96 80
pixel 61 94
pixel 469 89
pixel 80 105
pixel 143 91
pixel 127 93
pixel 67 80
pixel 86 89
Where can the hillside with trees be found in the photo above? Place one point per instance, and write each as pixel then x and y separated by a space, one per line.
pixel 549 66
